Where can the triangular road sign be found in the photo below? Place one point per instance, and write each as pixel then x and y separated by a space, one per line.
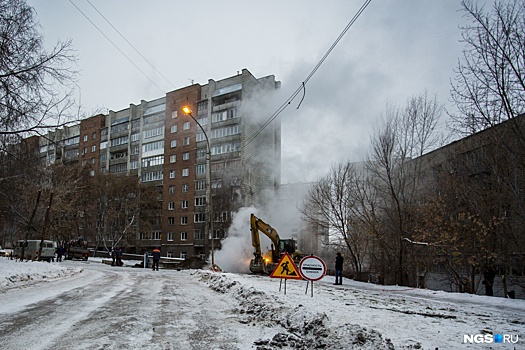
pixel 286 269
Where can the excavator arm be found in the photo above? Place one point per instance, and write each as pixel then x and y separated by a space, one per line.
pixel 258 265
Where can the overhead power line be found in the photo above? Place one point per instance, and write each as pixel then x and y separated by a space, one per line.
pixel 115 45
pixel 130 44
pixel 302 87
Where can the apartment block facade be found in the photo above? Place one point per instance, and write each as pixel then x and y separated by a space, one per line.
pixel 159 144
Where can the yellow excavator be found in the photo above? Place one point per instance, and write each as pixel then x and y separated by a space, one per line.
pixel 266 264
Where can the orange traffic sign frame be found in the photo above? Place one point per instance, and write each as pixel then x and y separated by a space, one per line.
pixel 286 269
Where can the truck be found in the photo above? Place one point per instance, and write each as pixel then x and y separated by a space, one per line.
pixel 265 264
pixel 31 248
pixel 77 250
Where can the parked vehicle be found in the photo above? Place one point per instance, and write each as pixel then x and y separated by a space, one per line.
pixel 77 250
pixel 3 252
pixel 32 247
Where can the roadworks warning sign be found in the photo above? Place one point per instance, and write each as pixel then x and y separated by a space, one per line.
pixel 286 269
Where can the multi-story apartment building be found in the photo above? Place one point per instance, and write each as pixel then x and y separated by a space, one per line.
pixel 162 146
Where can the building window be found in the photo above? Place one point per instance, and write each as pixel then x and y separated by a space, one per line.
pixel 184 204
pixel 186 126
pixel 185 172
pixel 216 183
pixel 202 106
pixel 200 185
pixel 85 138
pixel 152 176
pixel 184 220
pixel 184 236
pixel 186 141
pixel 119 141
pixel 173 128
pixel 135 137
pixel 201 168
pixel 156 235
pixel 92 160
pixel 171 205
pixel 183 255
pixel 93 148
pixel 134 149
pixel 84 150
pixel 171 190
pixel 170 236
pixel 153 148
pixel 186 156
pixel 134 164
pixel 200 137
pixel 171 221
pixel 173 158
pixel 94 135
pixel 152 161
pixel 174 114
pixel 198 234
pixel 200 201
pixel 201 152
pixel 172 174
pixel 173 143
pixel 199 217
pixel 220 217
pixel 153 132
pixel 185 188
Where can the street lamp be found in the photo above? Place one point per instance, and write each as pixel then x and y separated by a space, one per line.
pixel 187 111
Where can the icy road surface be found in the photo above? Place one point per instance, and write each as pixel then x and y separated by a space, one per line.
pixel 107 307
pixel 89 305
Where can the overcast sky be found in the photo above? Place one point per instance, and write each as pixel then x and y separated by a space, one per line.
pixel 396 49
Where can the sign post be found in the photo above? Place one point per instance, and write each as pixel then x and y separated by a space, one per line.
pixel 312 268
pixel 286 269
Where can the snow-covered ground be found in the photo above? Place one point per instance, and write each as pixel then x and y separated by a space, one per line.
pixel 352 316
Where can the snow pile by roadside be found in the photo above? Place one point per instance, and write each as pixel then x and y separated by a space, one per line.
pixel 301 328
pixel 17 273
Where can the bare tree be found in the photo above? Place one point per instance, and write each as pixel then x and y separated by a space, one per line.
pixel 122 208
pixel 34 84
pixel 395 172
pixel 490 78
pixel 333 202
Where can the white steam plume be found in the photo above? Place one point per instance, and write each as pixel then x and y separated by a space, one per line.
pixel 237 250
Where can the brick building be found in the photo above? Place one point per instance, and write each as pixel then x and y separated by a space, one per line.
pixel 162 146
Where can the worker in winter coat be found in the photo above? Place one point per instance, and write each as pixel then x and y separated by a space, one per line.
pixel 156 258
pixel 113 256
pixel 118 252
pixel 339 269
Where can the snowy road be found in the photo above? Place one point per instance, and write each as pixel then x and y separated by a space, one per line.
pixel 55 306
pixel 107 307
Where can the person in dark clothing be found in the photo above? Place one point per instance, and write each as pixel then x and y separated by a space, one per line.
pixel 118 253
pixel 339 269
pixel 60 252
pixel 113 256
pixel 156 258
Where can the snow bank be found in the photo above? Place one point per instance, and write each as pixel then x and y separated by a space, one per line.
pixel 300 328
pixel 16 273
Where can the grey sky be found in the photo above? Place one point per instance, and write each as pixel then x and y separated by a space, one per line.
pixel 395 50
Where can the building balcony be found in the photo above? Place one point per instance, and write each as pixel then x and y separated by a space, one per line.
pixel 227 105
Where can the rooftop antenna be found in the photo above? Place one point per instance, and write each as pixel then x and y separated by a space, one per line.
pixel 190 80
